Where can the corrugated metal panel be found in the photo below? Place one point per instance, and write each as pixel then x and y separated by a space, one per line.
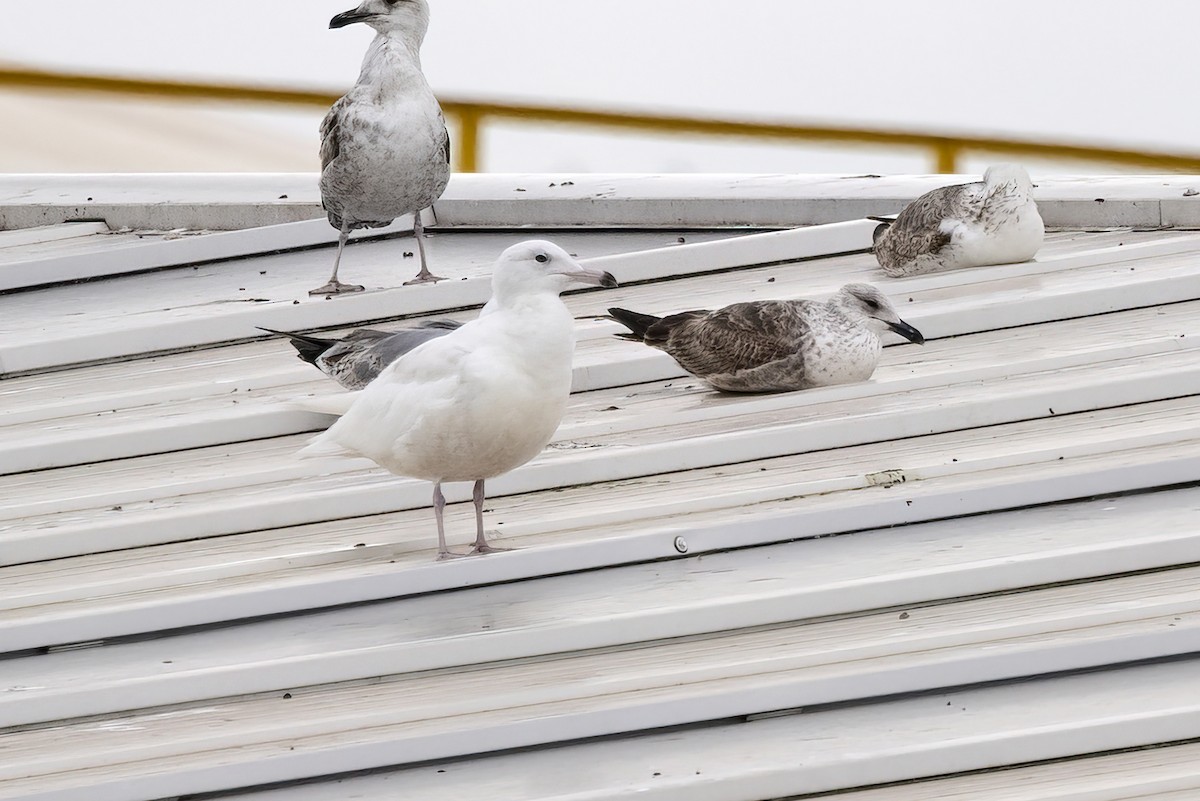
pixel 819 751
pixel 773 586
pixel 1157 774
pixel 225 301
pixel 1161 774
pixel 168 497
pixel 1059 294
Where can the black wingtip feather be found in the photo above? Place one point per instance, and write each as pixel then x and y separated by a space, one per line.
pixel 308 348
pixel 636 322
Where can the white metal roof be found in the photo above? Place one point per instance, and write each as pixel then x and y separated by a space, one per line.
pixel 186 608
pixel 242 200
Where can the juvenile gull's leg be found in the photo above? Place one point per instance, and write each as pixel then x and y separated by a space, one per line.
pixel 335 286
pixel 481 543
pixel 423 277
pixel 439 505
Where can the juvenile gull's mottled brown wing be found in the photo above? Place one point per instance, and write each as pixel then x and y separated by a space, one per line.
pixel 738 337
pixel 331 148
pixel 331 132
pixel 918 229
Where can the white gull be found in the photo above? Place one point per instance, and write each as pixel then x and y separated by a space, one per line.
pixel 776 345
pixel 481 400
pixel 994 221
pixel 385 151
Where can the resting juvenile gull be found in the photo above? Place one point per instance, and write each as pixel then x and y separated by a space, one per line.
pixel 357 358
pixel 994 221
pixel 776 345
pixel 479 401
pixel 385 151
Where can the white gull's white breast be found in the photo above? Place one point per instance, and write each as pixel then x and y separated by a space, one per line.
pixel 479 400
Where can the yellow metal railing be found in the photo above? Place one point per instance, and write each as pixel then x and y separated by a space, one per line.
pixel 472 116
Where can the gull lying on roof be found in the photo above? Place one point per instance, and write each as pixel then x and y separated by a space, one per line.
pixel 994 221
pixel 356 359
pixel 481 400
pixel 776 345
pixel 385 151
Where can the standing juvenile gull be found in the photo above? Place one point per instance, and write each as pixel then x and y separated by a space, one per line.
pixel 994 221
pixel 776 345
pixel 479 401
pixel 356 359
pixel 385 151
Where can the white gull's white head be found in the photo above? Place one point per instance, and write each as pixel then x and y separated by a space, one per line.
pixel 538 267
pixel 481 400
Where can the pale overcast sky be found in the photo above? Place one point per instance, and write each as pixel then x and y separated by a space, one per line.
pixel 1097 71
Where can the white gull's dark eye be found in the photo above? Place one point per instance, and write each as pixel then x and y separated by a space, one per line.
pixel 541 258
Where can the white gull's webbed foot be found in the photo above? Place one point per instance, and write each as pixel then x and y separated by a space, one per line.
pixel 447 556
pixel 487 547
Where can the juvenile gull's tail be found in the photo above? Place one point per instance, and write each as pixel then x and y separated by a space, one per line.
pixel 308 348
pixel 636 322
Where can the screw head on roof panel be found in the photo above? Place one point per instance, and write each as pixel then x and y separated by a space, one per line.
pixel 681 545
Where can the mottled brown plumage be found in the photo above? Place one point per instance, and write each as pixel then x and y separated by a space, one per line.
pixel 993 221
pixel 737 338
pixel 917 229
pixel 385 151
pixel 337 186
pixel 775 345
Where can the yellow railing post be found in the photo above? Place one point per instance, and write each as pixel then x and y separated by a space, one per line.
pixel 945 158
pixel 468 140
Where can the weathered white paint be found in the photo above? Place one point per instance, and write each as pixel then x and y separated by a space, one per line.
pixel 10 240
pixel 161 253
pixel 751 430
pixel 959 731
pixel 232 417
pixel 234 201
pixel 202 326
pixel 577 635
pixel 403 567
pixel 620 606
pixel 195 751
pixel 271 363
pixel 150 312
pixel 563 515
pixel 1158 774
